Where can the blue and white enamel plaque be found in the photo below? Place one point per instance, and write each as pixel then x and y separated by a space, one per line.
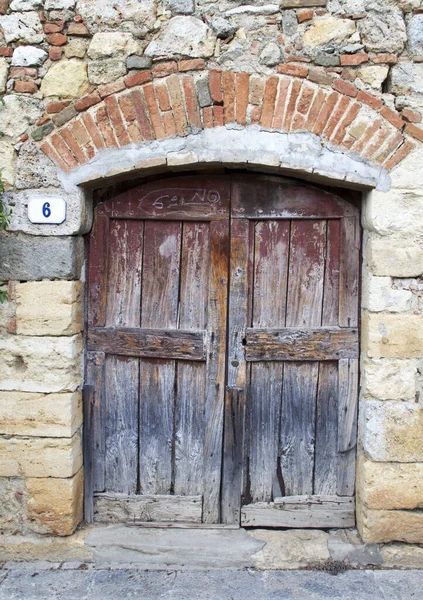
pixel 51 210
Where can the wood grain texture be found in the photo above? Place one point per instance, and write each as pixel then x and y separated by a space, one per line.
pixel 330 310
pixel 94 420
pixel 347 425
pixel 301 344
pixel 118 508
pixel 349 272
pixel 97 271
pixel 148 343
pixel 326 450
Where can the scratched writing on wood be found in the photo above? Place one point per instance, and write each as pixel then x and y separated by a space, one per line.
pixel 177 197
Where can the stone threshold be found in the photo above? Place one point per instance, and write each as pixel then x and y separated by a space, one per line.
pixel 120 547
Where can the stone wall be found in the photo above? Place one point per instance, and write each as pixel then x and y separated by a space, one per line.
pixel 96 90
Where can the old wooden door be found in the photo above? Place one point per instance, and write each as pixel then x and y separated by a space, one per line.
pixel 177 431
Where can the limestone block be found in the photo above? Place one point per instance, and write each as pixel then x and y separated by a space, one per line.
pixel 18 5
pixel 395 211
pixel 392 431
pixel 35 169
pixel 383 29
pixel 106 70
pixel 390 525
pixel 184 35
pixel 374 75
pixel 103 14
pixel 378 295
pixel 181 7
pixel 8 164
pixel 13 496
pixel 394 257
pixel 327 29
pixel 415 35
pixel 66 79
pixel 402 556
pixel 40 457
pixel 59 4
pixel 55 505
pixel 28 56
pixel 41 364
pixel 408 175
pixel 30 258
pixel 292 549
pixel 24 27
pixel 392 335
pixel 17 113
pixel 406 77
pixel 390 486
pixel 46 415
pixel 112 44
pixel 4 68
pixel 49 307
pixel 76 48
pixel 270 55
pixel 389 379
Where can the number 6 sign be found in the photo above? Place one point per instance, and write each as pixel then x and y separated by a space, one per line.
pixel 47 210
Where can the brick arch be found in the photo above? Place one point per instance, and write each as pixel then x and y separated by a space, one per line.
pixel 143 109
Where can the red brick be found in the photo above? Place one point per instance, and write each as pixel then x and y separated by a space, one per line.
pixel 414 131
pixel 399 155
pixel 153 109
pixel 305 99
pixel 338 114
pixel 297 58
pixel 162 96
pixel 73 145
pixel 80 133
pixel 164 69
pixel 345 87
pixel 53 27
pixel 4 5
pixel 25 87
pixel 208 117
pixel 325 112
pixel 348 118
pixel 376 142
pixel 56 39
pixel 63 151
pixel 242 90
pixel 111 88
pixel 365 138
pixel 43 17
pixel 393 117
pixel 93 130
pixel 169 123
pixel 194 64
pixel 177 102
pixel 54 156
pixel 87 101
pixel 354 59
pixel 293 70
pixel 268 109
pixel 105 127
pixel 140 111
pixel 43 120
pixel 56 107
pixel 228 85
pixel 391 144
pixel 389 59
pixel 315 108
pixel 369 99
pixel 24 137
pixel 6 52
pixel 24 73
pixel 137 78
pixel 298 122
pixel 305 14
pixel 215 86
pixel 255 114
pixel 318 75
pixel 127 107
pixel 191 102
pixel 78 29
pixel 280 103
pixel 116 120
pixel 218 115
pixel 411 115
pixel 55 53
pixel 134 132
pixel 292 101
pixel 78 19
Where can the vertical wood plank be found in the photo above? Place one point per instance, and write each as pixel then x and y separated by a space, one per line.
pixel 269 308
pixel 304 309
pixel 347 425
pixel 331 286
pixel 95 425
pixel 349 272
pixel 159 309
pixel 326 455
pixel 189 407
pixel 97 271
pixel 215 382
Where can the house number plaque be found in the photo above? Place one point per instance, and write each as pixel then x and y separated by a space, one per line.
pixel 44 209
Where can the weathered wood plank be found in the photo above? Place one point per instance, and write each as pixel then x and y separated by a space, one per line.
pixel 347 425
pixel 121 424
pixel 233 454
pixel 176 525
pixel 159 309
pixel 330 312
pixel 117 508
pixel 349 272
pixel 317 501
pixel 326 452
pixel 301 344
pixel 309 515
pixel 190 388
pixel 94 420
pixel 182 198
pixel 97 271
pixel 274 197
pixel 148 343
pixel 215 382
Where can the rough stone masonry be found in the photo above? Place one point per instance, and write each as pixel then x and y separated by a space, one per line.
pixel 99 90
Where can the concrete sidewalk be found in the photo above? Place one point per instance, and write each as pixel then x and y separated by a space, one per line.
pixel 32 581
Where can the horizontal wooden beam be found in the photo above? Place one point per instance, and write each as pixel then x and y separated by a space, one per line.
pixel 148 343
pixel 301 511
pixel 329 343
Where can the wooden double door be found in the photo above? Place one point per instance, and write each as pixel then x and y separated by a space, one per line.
pixel 222 354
